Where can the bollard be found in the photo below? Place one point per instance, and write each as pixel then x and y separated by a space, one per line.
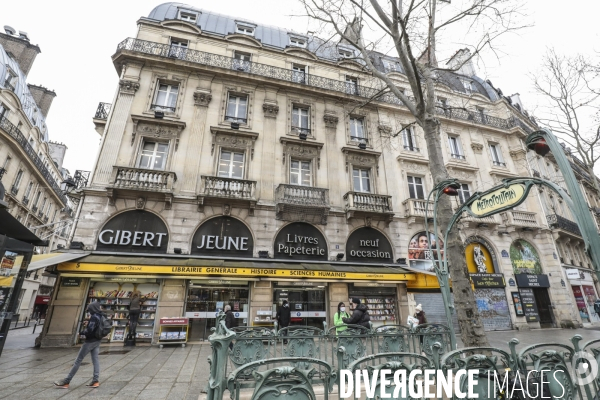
pixel 16 322
pixel 35 326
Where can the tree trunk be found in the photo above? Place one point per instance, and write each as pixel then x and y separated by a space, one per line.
pixel 469 320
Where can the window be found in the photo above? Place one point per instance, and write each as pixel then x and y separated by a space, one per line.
pixel 49 210
pixel 300 120
pixel 231 164
pixel 455 147
pixel 18 180
pixel 28 190
pixel 187 16
pixel 497 155
pixel 178 48
pixel 416 189
pixel 351 85
pixel 345 53
pixel 10 79
pixel 2 110
pixel 463 193
pixel 166 97
pixel 54 216
pixel 300 173
pixel 237 108
pixel 244 29
pixel 31 142
pixel 299 73
pixel 297 42
pixel 154 155
pixel 37 199
pixel 34 116
pixel 357 130
pixel 392 66
pixel 362 181
pixel 408 139
pixel 241 61
pixel 481 113
pixel 43 206
pixel 6 162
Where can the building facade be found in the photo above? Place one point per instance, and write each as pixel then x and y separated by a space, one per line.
pixel 30 164
pixel 241 164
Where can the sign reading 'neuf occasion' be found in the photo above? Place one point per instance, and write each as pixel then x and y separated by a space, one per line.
pixel 134 231
pixel 368 245
pixel 300 241
pixel 498 200
pixel 223 236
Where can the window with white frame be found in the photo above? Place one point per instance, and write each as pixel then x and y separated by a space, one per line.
pixel 455 148
pixel 178 48
pixel 37 199
pixel 409 140
pixel 361 180
pixel 392 66
pixel 153 155
pixel 357 130
pixel 464 192
pixel 18 179
pixel 416 188
pixel 300 173
pixel 43 207
pixel 10 79
pixel 299 73
pixel 244 29
pixel 231 164
pixel 237 107
pixel 345 53
pixel 297 42
pixel 188 16
pixel 351 85
pixel 49 210
pixel 241 61
pixel 496 154
pixel 300 120
pixel 28 190
pixel 6 162
pixel 166 97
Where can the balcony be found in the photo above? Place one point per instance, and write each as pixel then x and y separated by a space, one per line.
pixel 101 116
pixel 14 190
pixel 132 182
pixel 414 210
pixel 302 133
pixel 238 192
pixel 302 203
pixel 162 50
pixel 561 223
pixel 475 222
pixel 358 204
pixel 523 220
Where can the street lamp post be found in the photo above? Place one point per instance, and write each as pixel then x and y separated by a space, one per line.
pixel 544 142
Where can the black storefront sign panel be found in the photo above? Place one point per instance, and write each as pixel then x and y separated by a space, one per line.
pixel 300 241
pixel 535 281
pixel 223 236
pixel 369 245
pixel 136 231
pixel 71 282
pixel 529 305
pixel 488 280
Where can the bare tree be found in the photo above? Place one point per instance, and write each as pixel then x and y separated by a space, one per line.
pixel 412 31
pixel 571 89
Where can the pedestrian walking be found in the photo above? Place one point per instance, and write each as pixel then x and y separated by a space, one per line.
pixel 91 345
pixel 338 318
pixel 420 315
pixel 229 321
pixel 360 316
pixel 135 308
pixel 283 316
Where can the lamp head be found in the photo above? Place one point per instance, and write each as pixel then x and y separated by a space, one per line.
pixel 451 189
pixel 540 146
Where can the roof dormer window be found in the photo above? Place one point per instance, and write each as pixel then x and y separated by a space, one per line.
pixel 297 42
pixel 344 53
pixel 244 29
pixel 188 16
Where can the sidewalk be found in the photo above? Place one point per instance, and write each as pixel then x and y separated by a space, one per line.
pixel 151 373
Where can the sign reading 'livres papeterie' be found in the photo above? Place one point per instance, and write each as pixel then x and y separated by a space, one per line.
pixel 498 200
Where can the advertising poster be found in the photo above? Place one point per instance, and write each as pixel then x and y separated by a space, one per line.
pixel 419 255
pixel 518 304
pixel 529 305
pixel 524 258
pixel 7 263
pixel 479 259
pixel 493 308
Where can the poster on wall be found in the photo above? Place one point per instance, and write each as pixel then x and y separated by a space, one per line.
pixel 580 301
pixel 524 258
pixel 518 304
pixel 493 308
pixel 529 305
pixel 419 255
pixel 479 259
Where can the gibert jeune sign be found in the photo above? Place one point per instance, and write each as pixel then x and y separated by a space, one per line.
pixel 498 200
pixel 223 236
pixel 135 231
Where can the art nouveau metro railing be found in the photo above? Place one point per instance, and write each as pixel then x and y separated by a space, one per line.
pixel 288 75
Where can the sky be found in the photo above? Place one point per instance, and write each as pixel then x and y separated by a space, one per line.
pixel 77 40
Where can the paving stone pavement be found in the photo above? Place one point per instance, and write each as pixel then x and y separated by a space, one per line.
pixel 152 373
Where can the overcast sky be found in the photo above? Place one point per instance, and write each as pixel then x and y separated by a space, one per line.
pixel 78 38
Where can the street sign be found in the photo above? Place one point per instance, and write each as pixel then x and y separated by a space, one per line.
pixel 495 201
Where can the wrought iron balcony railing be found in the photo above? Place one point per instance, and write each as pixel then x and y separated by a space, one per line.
pixel 34 208
pixel 289 75
pixel 359 139
pixel 458 156
pixel 158 107
pixel 230 188
pixel 499 163
pixel 368 202
pixel 298 130
pixel 102 110
pixel 232 118
pixel 18 136
pixel 302 195
pixel 143 179
pixel 25 200
pixel 560 222
pixel 411 148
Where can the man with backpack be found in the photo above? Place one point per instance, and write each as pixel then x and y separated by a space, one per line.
pixel 97 327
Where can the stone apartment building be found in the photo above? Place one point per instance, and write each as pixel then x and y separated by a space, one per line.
pixel 30 164
pixel 240 164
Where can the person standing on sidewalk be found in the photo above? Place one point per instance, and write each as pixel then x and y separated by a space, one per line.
pixel 91 345
pixel 284 315
pixel 229 321
pixel 135 309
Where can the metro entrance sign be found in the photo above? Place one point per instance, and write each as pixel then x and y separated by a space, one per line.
pixel 495 201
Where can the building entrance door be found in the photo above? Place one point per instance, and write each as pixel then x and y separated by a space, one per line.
pixel 307 305
pixel 542 300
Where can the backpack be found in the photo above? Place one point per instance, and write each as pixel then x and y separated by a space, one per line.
pixel 103 328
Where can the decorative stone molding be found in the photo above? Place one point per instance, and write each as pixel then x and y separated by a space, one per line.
pixel 202 98
pixel 301 149
pixel 517 154
pixel 414 167
pixel 271 110
pixel 140 203
pixel 331 120
pixel 477 147
pixel 462 175
pixel 385 129
pixel 226 209
pixel 233 139
pixel 157 128
pixel 128 87
pixel 361 158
